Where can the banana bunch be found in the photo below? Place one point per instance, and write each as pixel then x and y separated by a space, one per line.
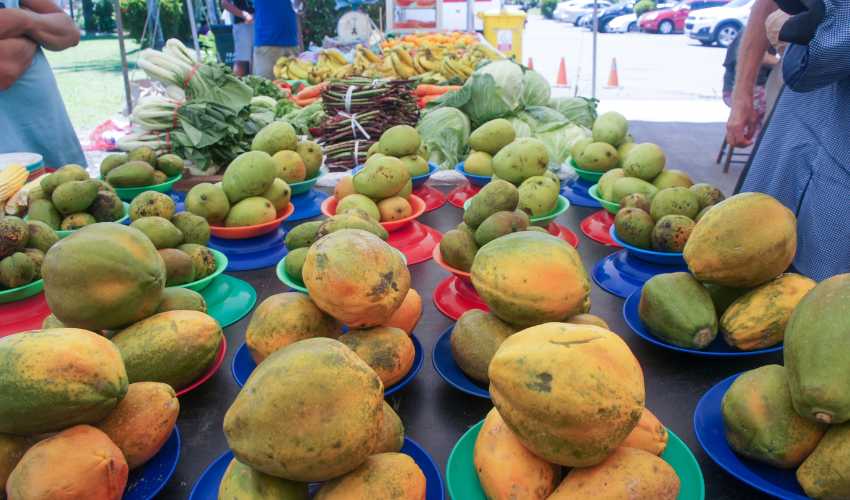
pixel 12 179
pixel 402 63
pixel 292 68
pixel 454 67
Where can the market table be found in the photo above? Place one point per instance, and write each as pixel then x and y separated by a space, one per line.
pixel 435 414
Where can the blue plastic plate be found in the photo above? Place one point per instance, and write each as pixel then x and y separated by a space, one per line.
pixel 708 427
pixel 243 366
pixel 419 180
pixel 251 253
pixel 307 205
pixel 206 487
pixel 146 482
pixel 717 348
pixel 444 363
pixel 620 273
pixel 576 192
pixel 475 180
pixel 229 299
pixel 662 258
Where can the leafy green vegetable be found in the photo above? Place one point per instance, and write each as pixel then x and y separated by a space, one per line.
pixel 263 86
pixel 539 116
pixel 301 119
pixel 493 91
pixel 535 89
pixel 445 132
pixel 559 138
pixel 579 110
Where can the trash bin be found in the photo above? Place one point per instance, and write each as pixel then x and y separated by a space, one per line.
pixel 503 29
pixel 224 44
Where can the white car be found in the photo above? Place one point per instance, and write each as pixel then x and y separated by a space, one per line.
pixel 569 12
pixel 719 25
pixel 623 24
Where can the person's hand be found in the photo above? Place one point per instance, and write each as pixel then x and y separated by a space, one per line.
pixel 742 123
pixel 248 17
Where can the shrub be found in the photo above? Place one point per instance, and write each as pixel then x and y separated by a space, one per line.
pixel 104 21
pixel 172 18
pixel 547 8
pixel 643 7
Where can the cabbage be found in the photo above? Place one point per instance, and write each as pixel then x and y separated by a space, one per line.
pixel 521 128
pixel 559 139
pixel 493 91
pixel 579 110
pixel 445 132
pixel 509 79
pixel 540 116
pixel 535 89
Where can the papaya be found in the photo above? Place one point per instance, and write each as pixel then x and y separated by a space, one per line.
pixel 356 277
pixel 826 472
pixel 757 320
pixel 181 299
pixel 352 219
pixel 173 347
pixel 241 482
pixel 733 246
pixel 528 278
pixel 677 309
pixel 52 379
pixel 384 476
pixel 79 462
pixel 475 339
pixel 302 235
pixel 103 277
pixel 588 319
pixel 392 432
pixel 816 346
pixel 284 318
pixel 761 423
pixel 12 448
pixel 143 421
pixel 649 434
pixel 335 397
pixel 506 468
pixel 389 351
pixel 723 296
pixel 570 393
pixel 408 313
pixel 628 473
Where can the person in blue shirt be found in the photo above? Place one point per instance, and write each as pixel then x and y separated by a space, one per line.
pixel 803 156
pixel 33 118
pixel 275 34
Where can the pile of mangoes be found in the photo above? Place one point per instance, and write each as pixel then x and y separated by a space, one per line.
pixel 255 187
pixel 609 145
pixel 500 208
pixel 22 248
pixel 736 283
pixel 485 142
pixel 104 371
pixel 68 199
pixel 140 167
pixel 382 188
pixel 797 416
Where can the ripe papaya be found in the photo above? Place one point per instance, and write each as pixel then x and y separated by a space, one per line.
pixel 816 347
pixel 757 319
pixel 392 432
pixel 542 379
pixel 385 476
pixel 408 313
pixel 678 309
pixel 506 468
pixel 12 448
pixel 733 246
pixel 761 423
pixel 242 482
pixel 649 434
pixel 826 472
pixel 388 350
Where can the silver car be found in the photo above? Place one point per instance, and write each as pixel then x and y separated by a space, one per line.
pixel 570 12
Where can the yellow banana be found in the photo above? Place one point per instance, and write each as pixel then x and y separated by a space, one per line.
pixel 336 56
pixel 404 56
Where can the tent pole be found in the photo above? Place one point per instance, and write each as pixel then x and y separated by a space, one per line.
pixel 595 33
pixel 470 16
pixel 191 10
pixel 119 28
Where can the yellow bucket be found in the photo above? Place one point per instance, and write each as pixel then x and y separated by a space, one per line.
pixel 503 29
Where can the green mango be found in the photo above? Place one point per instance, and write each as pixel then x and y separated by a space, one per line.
pixel 152 204
pixel 628 185
pixel 179 267
pixel 381 177
pixel 107 207
pixel 605 185
pixel 14 235
pixel 645 161
pixel 521 159
pixel 458 249
pixel 195 228
pixel 161 232
pixel 67 173
pixel 41 236
pixel 37 258
pixel 400 140
pixel 208 201
pixel 143 153
pixel 181 299
pixel 16 270
pixel 295 262
pixel 203 259
pixel 707 194
pixel 279 193
pixel 475 339
pixel 302 235
pixel 77 221
pixel 112 161
pixel 74 196
pixel 492 136
pixel 495 196
pixel 675 201
pixel 671 232
pixel 672 178
pixel 249 174
pixel 478 163
pixel 170 164
pixel 500 224
pixel 538 195
pixel 676 308
pixel 598 157
pixel 360 201
pixel 610 127
pixel 131 174
pixel 351 220
pixel 250 212
pixel 634 226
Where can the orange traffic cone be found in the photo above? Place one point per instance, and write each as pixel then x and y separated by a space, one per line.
pixel 561 81
pixel 530 63
pixel 613 77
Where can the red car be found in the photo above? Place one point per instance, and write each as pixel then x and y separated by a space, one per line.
pixel 672 20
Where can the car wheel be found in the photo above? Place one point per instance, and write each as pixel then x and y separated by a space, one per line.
pixel 726 34
pixel 665 28
pixel 633 28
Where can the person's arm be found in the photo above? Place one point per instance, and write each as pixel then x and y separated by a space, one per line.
pixel 743 120
pixel 825 59
pixel 43 22
pixel 236 11
pixel 15 58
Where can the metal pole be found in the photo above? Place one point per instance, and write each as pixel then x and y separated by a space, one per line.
pixel 119 27
pixel 470 16
pixel 191 9
pixel 595 32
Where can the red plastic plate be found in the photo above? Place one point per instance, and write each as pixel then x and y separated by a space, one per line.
pixel 433 198
pixel 245 232
pixel 459 195
pixel 23 315
pixel 563 233
pixel 597 227
pixel 219 359
pixel 416 203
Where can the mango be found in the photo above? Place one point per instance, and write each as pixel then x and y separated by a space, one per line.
pixel 475 339
pixel 195 228
pixel 77 221
pixel 400 140
pixel 208 201
pixel 66 173
pixel 605 185
pixel 16 270
pixel 492 136
pixel 14 235
pixel 311 153
pixel 496 196
pixel 274 137
pixel 624 149
pixel 161 232
pixel 79 462
pixel 344 187
pixel 142 153
pixel 159 177
pixel 302 235
pixel 40 210
pixel 415 165
pixel 675 201
pixel 634 226
pixel 394 208
pixel 579 145
pixel 152 204
pixel 143 421
pixel 636 200
pixel 282 389
pixel 478 163
pixel 521 159
pixel 37 258
pixel 179 268
pixel 500 224
pixel 251 212
pixel 181 299
pixel 610 127
pixel 672 178
pixel 384 476
pixel 381 177
pixel 723 296
pixel 51 321
pixel 283 319
pixel 538 195
pixel 645 161
pixel 173 347
pixel 203 259
pixel 676 308
pixel 392 432
pixel 241 482
pixel 598 157
pixel 289 166
pixel 760 421
pixel 373 150
pixel 294 263
pixel 458 249
pixel 107 207
pixel 825 473
pixel 111 161
pixel 671 233
pixel 360 201
pixel 74 196
pixel 134 173
pixel 628 185
pixel 249 174
pixel 351 220
pixel 279 194
pixel 170 164
pixel 707 194
pixel 407 190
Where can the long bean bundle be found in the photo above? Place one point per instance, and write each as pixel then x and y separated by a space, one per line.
pixel 358 111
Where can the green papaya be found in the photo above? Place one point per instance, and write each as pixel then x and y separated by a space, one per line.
pixel 678 309
pixel 826 472
pixel 241 482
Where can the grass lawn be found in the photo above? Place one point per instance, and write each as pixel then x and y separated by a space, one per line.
pixel 89 77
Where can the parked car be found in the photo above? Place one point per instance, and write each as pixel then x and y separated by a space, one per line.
pixel 572 11
pixel 611 12
pixel 672 20
pixel 719 25
pixel 623 24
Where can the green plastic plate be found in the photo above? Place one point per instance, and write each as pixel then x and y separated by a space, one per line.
pixel 544 220
pixel 128 193
pixel 305 185
pixel 21 292
pixel 591 176
pixel 608 205
pixel 220 266
pixel 63 233
pixel 462 480
pixel 288 280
